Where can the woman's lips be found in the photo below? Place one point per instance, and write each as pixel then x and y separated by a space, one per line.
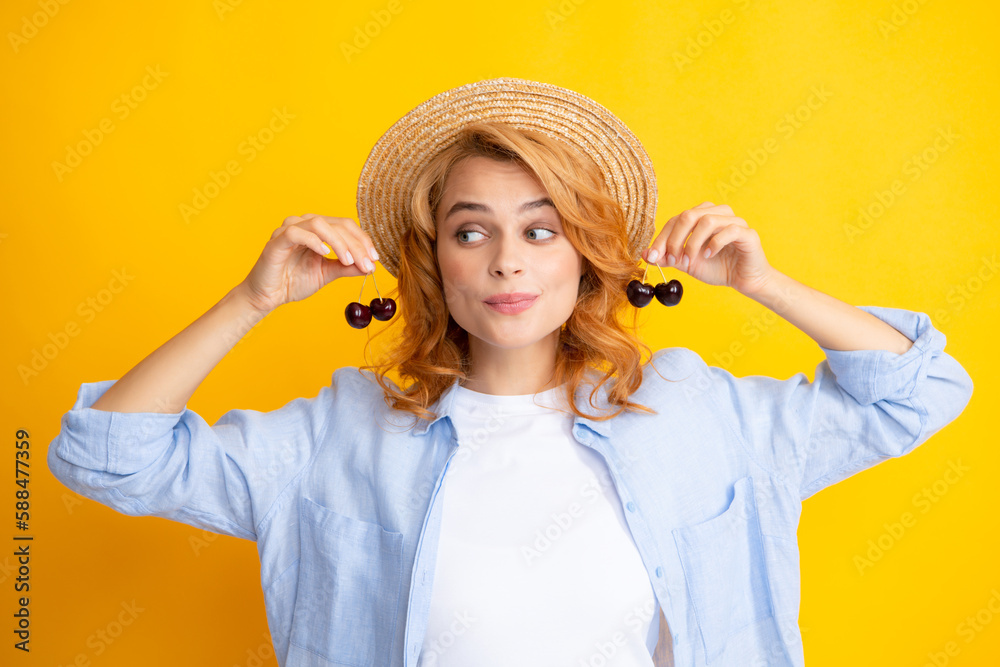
pixel 512 307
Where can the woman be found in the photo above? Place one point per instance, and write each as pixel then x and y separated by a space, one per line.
pixel 537 493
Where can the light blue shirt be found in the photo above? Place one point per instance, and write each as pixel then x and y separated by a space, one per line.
pixel 342 499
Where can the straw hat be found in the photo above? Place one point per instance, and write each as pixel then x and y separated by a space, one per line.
pixel 401 153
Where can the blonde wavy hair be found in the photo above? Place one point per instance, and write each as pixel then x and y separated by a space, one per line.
pixel 433 349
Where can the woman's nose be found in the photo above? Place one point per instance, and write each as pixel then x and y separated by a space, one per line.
pixel 507 259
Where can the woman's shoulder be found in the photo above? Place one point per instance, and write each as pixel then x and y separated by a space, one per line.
pixel 675 359
pixel 360 382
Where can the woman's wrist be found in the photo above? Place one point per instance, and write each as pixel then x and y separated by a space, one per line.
pixel 768 289
pixel 243 310
pixel 243 297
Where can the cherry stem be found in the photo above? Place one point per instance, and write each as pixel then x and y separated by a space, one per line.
pixel 362 288
pixel 661 273
pixel 376 286
pixel 644 273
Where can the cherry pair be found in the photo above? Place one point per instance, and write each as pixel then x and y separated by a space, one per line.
pixel 640 293
pixel 359 315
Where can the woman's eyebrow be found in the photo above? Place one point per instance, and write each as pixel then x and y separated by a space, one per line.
pixel 483 208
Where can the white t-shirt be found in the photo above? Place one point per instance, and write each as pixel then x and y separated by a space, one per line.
pixel 536 564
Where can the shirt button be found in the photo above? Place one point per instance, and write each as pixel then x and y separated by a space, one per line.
pixel 630 506
pixel 659 571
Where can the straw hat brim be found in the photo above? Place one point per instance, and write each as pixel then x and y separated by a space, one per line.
pixel 400 155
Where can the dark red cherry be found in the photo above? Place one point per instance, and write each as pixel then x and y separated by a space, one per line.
pixel 669 294
pixel 383 309
pixel 358 315
pixel 639 294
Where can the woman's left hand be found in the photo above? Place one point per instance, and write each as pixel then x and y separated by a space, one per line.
pixel 736 260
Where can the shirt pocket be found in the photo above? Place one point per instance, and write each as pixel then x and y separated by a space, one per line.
pixel 725 570
pixel 350 578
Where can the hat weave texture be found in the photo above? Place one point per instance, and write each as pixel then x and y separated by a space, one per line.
pixel 400 155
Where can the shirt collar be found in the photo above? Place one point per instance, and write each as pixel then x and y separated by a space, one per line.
pixel 443 407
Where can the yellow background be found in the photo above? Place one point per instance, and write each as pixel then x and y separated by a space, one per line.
pixel 892 74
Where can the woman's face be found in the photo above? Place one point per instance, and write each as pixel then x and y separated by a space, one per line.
pixel 498 235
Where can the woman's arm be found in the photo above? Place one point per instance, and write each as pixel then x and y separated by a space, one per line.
pixel 131 444
pixel 715 246
pixel 876 395
pixel 167 378
pixel 291 267
pixel 830 322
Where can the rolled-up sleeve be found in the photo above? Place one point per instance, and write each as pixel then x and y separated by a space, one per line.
pixel 222 477
pixel 862 407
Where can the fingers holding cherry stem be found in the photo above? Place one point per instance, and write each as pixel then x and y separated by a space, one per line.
pixel 360 316
pixel 640 293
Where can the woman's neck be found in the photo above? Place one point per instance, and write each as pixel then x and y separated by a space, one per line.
pixel 512 372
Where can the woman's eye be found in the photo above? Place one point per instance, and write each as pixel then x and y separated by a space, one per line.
pixel 536 230
pixel 463 233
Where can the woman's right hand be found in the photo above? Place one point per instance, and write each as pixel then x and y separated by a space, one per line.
pixel 293 265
